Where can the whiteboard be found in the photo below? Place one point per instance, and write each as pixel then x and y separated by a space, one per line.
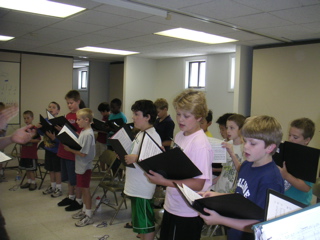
pixel 10 85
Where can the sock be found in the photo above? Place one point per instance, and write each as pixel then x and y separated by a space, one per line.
pixel 1 172
pixel 53 185
pixel 89 213
pixel 84 208
pixel 79 200
pixel 33 181
pixel 72 197
pixel 58 186
pixel 29 180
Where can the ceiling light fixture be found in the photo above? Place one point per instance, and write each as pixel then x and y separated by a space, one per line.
pixel 5 38
pixel 197 36
pixel 135 6
pixel 106 50
pixel 43 7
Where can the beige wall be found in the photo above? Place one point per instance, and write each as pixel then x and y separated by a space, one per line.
pixel 115 89
pixel 286 85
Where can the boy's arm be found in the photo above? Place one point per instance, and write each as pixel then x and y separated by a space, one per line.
pixel 296 182
pixel 216 219
pixel 131 158
pixel 234 158
pixel 195 184
pixel 76 152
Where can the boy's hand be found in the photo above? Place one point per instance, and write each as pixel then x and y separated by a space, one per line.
pixel 67 148
pixel 283 171
pixel 227 146
pixel 58 127
pixel 131 158
pixel 51 135
pixel 212 219
pixel 156 178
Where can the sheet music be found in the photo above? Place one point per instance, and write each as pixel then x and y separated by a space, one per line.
pixel 124 139
pixel 304 224
pixel 50 116
pixel 219 153
pixel 4 157
pixel 190 195
pixel 70 133
pixel 148 148
pixel 278 207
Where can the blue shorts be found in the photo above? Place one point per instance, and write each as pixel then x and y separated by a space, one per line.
pixel 68 171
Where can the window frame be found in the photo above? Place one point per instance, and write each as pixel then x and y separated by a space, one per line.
pixel 232 73
pixel 189 73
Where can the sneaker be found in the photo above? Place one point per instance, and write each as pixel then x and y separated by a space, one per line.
pixel 32 187
pixel 79 215
pixel 26 185
pixel 84 221
pixel 74 206
pixel 57 193
pixel 48 191
pixel 65 202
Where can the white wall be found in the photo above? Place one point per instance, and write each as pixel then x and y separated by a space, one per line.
pixel 139 82
pixel 285 84
pixel 152 79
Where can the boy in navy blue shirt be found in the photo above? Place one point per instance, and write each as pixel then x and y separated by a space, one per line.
pixel 262 136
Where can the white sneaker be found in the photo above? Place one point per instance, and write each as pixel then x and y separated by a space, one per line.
pixel 79 215
pixel 48 191
pixel 57 193
pixel 84 221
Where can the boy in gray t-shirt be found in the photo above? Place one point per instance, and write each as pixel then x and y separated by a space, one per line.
pixel 83 164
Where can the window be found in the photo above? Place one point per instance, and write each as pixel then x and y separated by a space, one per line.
pixel 83 80
pixel 232 73
pixel 196 74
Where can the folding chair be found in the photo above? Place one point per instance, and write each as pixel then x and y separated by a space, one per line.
pixel 40 173
pixel 116 185
pixel 107 157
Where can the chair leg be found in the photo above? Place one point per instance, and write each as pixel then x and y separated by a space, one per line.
pixel 118 209
pixel 24 176
pixel 42 179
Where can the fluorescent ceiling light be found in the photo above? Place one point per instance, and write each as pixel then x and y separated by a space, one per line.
pixel 134 6
pixel 106 50
pixel 5 38
pixel 192 35
pixel 43 7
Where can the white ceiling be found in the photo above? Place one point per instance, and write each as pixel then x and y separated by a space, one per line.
pixel 260 22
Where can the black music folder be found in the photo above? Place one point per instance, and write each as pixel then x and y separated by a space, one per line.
pixel 173 164
pixel 119 149
pixel 99 125
pixel 69 137
pixel 232 205
pixel 46 127
pixel 301 161
pixel 61 121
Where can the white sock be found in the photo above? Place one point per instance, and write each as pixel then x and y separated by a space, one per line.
pixel 79 200
pixel 89 213
pixel 33 181
pixel 72 197
pixel 58 186
pixel 29 180
pixel 84 208
pixel 1 172
pixel 53 185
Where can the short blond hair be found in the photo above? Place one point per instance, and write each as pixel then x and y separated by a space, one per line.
pixel 193 102
pixel 161 103
pixel 85 113
pixel 265 128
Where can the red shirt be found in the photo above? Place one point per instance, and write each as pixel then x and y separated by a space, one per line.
pixel 72 118
pixel 102 137
pixel 30 150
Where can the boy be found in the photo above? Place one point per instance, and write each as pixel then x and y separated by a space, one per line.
pixel 29 155
pixel 262 135
pixel 164 125
pixel 137 185
pixel 301 132
pixel 115 106
pixel 206 122
pixel 222 122
pixel 84 159
pixel 101 141
pixel 181 222
pixel 73 202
